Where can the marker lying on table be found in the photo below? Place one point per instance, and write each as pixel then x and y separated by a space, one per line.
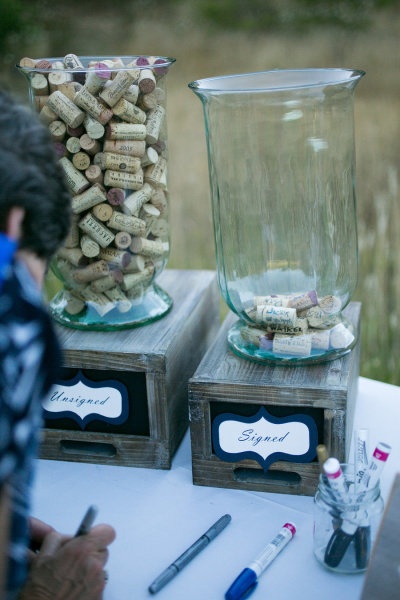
pixel 189 554
pixel 245 583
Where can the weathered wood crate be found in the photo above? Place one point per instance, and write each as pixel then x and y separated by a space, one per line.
pixel 226 384
pixel 153 364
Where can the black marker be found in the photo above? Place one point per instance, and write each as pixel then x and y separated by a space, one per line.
pixel 87 521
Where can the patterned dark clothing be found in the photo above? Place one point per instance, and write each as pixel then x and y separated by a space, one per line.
pixel 29 357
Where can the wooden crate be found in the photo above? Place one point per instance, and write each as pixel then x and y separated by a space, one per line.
pixel 153 363
pixel 227 384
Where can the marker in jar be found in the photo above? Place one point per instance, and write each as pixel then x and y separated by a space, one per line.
pixel 352 525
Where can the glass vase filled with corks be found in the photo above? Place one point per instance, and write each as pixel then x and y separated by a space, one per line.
pixel 107 119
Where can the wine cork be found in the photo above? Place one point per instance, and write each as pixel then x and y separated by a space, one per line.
pixel 340 336
pixel 115 257
pixel 277 300
pixel 57 79
pixel 94 174
pixel 98 301
pixel 97 77
pixel 69 89
pixel 149 248
pixel 126 111
pixel 89 247
pixel 126 181
pixel 269 314
pixel 134 202
pixel 75 180
pixel 81 161
pixel 303 301
pixel 159 199
pixel 115 90
pixel 138 263
pixel 57 131
pixel 93 271
pixel 74 306
pixel 115 196
pixel 154 122
pixel 73 145
pixel 117 162
pixel 320 339
pixel 132 93
pixel 72 239
pixel 47 115
pixel 73 256
pixel 102 212
pixel 93 128
pixel 117 295
pixel 148 101
pixel 126 131
pixel 297 345
pixel 154 174
pixel 330 304
pixel 96 230
pixel 85 100
pixel 89 145
pixel 107 282
pixel 122 222
pixel 147 81
pixel 87 199
pixel 150 157
pixel 132 280
pixel 122 240
pixel 159 228
pixel 27 63
pixel 65 109
pixel 39 85
pixel 131 147
pixel 71 61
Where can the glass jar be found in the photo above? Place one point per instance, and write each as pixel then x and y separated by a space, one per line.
pixel 107 118
pixel 282 172
pixel 345 530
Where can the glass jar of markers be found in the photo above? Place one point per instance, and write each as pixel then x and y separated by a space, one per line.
pixel 107 119
pixel 346 523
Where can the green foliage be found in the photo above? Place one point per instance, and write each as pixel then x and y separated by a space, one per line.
pixel 16 19
pixel 290 14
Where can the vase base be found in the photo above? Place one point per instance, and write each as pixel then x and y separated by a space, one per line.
pixel 153 304
pixel 305 349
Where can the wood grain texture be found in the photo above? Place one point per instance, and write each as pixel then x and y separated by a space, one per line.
pixel 329 389
pixel 167 351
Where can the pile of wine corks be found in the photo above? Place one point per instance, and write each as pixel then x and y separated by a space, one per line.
pixel 297 324
pixel 107 119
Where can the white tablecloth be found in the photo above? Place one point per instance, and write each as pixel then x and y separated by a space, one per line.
pixel 158 514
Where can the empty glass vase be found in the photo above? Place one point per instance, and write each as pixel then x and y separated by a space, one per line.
pixel 282 176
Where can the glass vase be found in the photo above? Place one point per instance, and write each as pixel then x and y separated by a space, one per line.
pixel 282 177
pixel 345 529
pixel 107 119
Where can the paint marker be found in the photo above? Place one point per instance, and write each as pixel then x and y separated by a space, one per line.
pixel 336 479
pixel 360 454
pixel 189 554
pixel 87 521
pixel 245 583
pixel 373 472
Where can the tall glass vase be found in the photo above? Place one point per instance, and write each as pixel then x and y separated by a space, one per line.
pixel 107 118
pixel 282 176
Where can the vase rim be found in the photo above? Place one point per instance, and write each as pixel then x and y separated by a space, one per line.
pixel 277 80
pixel 166 61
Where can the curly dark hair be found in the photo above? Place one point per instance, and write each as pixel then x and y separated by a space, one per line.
pixel 31 178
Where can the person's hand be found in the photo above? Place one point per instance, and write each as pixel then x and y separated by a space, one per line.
pixel 37 532
pixel 70 568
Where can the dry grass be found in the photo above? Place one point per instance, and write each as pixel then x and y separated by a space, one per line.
pixel 202 52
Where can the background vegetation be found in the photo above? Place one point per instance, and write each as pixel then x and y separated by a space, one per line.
pixel 215 37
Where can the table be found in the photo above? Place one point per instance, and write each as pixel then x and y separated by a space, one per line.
pixel 158 514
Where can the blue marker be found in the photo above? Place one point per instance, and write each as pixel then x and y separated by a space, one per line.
pixel 245 583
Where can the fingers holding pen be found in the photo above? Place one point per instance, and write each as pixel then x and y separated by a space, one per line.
pixel 70 568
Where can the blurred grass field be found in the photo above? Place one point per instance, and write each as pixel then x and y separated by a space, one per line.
pixel 204 50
